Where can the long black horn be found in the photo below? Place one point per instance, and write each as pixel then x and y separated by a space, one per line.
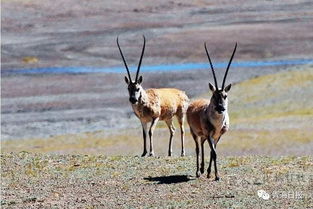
pixel 232 56
pixel 123 60
pixel 213 71
pixel 143 51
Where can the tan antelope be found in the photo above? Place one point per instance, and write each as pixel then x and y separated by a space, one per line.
pixel 152 105
pixel 209 120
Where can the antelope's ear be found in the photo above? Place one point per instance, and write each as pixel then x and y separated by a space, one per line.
pixel 227 88
pixel 212 88
pixel 140 80
pixel 126 80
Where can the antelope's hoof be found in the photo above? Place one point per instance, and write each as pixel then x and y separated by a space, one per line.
pixel 208 176
pixel 198 174
pixel 202 170
pixel 217 178
pixel 144 154
pixel 169 154
pixel 183 154
pixel 151 154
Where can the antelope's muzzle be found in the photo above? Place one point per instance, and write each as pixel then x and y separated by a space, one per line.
pixel 133 100
pixel 220 109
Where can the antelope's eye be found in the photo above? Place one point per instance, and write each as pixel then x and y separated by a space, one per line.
pixel 137 89
pixel 225 96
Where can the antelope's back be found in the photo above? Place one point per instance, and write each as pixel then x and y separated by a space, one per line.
pixel 172 101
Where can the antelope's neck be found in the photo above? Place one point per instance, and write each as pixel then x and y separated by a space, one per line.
pixel 219 121
pixel 142 103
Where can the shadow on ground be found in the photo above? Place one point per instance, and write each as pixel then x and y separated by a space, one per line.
pixel 173 179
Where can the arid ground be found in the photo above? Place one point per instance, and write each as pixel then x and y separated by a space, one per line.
pixel 65 134
pixel 92 181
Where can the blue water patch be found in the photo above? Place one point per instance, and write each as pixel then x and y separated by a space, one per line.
pixel 157 68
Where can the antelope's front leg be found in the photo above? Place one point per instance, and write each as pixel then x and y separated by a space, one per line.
pixel 144 133
pixel 210 164
pixel 217 178
pixel 152 127
pixel 214 156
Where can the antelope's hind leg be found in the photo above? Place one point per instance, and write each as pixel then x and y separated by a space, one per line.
pixel 196 139
pixel 172 132
pixel 152 127
pixel 181 120
pixel 202 155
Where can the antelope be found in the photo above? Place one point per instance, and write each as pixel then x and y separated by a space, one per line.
pixel 152 105
pixel 209 120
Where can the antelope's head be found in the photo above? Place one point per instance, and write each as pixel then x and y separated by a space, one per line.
pixel 219 95
pixel 134 87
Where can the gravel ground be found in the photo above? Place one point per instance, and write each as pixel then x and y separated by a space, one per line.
pixel 85 181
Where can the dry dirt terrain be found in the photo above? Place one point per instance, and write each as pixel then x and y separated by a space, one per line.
pixel 71 140
pixel 92 181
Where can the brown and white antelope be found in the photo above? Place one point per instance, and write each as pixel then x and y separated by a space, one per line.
pixel 152 105
pixel 209 120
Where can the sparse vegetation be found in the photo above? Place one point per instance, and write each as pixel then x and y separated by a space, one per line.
pixel 273 96
pixel 92 181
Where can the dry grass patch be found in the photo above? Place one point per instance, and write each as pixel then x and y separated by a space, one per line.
pixel 83 181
